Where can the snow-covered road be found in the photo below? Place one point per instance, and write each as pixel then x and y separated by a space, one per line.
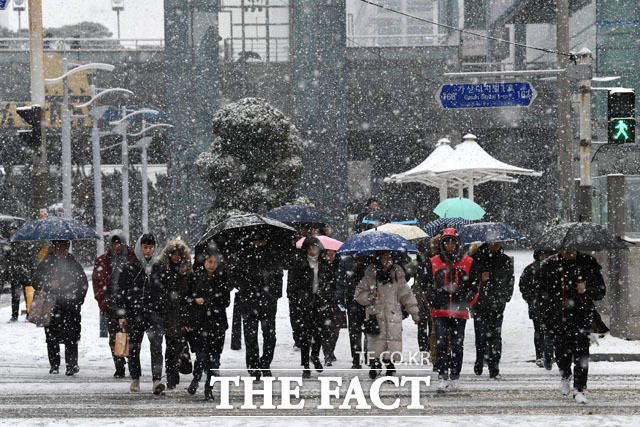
pixel 29 391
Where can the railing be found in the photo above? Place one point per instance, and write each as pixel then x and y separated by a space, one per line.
pixel 278 48
pixel 395 40
pixel 71 44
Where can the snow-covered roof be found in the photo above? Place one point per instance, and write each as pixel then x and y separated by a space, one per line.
pixel 467 164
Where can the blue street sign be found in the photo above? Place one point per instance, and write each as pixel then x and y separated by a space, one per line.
pixel 486 95
pixel 3 4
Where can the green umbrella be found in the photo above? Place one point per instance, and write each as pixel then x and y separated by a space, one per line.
pixel 459 207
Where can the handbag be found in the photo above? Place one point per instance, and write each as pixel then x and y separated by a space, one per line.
pixel 121 347
pixel 371 325
pixel 41 308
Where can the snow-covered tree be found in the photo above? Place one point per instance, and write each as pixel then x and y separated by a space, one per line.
pixel 254 164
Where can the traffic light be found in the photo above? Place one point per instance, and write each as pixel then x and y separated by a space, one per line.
pixel 621 116
pixel 32 116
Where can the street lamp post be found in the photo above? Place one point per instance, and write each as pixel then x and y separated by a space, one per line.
pixel 96 114
pixel 143 144
pixel 121 127
pixel 66 126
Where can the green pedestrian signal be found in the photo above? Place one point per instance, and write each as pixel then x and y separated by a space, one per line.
pixel 621 115
pixel 622 130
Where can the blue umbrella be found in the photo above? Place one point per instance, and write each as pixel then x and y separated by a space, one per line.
pixel 53 228
pixel 371 241
pixel 432 228
pixel 296 214
pixel 488 232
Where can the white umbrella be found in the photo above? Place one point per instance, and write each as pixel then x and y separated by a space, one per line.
pixel 409 232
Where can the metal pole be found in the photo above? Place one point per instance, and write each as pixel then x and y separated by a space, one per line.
pixel 145 186
pixel 125 177
pixel 97 179
pixel 585 57
pixel 563 122
pixel 19 21
pixel 470 187
pixel 40 167
pixel 67 203
pixel 118 15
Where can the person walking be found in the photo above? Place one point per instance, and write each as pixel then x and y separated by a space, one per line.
pixel 62 276
pixel 449 285
pixel 384 292
pixel 258 275
pixel 141 306
pixel 372 205
pixel 175 275
pixel 106 273
pixel 570 281
pixel 311 287
pixel 16 270
pixel 529 285
pixel 208 299
pixel 338 315
pixel 350 272
pixel 494 291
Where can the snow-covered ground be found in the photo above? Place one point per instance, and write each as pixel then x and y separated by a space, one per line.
pixel 24 355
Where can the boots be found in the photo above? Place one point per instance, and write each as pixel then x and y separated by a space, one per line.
pixel 376 366
pixel 135 386
pixel 356 363
pixel 193 387
pixel 173 379
pixel 208 393
pixel 316 363
pixel 391 369
pixel 158 388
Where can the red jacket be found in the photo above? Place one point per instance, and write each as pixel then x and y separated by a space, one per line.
pixel 101 277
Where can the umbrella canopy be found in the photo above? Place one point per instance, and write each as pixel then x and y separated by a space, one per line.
pixel 409 232
pixel 459 207
pixel 383 216
pixel 53 228
pixel 488 232
pixel 371 241
pixel 296 215
pixel 579 236
pixel 232 233
pixel 441 223
pixel 328 243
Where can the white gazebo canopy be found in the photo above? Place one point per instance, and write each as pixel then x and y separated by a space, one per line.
pixel 465 166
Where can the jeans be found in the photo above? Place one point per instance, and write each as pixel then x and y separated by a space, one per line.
pixel 152 324
pixel 487 326
pixel 572 345
pixel 174 346
pixel 208 361
pixel 266 317
pixel 295 315
pixel 446 363
pixel 236 324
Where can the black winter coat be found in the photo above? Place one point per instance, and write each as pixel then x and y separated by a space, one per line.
pixel 73 285
pixel 300 286
pixel 16 265
pixel 561 306
pixel 493 294
pixel 529 285
pixel 208 321
pixel 257 273
pixel 176 287
pixel 140 295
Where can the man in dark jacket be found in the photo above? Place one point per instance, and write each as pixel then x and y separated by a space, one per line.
pixel 310 286
pixel 141 306
pixel 258 276
pixel 449 285
pixel 494 291
pixel 61 275
pixel 350 272
pixel 106 273
pixel 529 285
pixel 570 282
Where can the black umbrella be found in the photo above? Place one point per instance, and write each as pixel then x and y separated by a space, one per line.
pixel 234 233
pixel 297 215
pixel 579 236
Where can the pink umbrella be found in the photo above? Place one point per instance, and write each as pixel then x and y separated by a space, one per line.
pixel 328 243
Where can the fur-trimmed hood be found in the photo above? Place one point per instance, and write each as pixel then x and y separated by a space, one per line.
pixel 177 245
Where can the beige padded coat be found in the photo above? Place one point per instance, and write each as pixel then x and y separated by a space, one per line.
pixel 387 306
